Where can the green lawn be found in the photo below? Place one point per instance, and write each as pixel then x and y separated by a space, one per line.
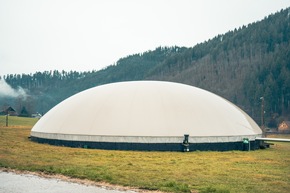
pixel 14 121
pixel 233 171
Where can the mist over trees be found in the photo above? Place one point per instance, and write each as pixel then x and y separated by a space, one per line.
pixel 242 65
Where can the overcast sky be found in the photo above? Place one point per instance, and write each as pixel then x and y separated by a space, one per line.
pixel 82 35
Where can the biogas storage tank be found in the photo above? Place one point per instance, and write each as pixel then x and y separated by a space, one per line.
pixel 147 115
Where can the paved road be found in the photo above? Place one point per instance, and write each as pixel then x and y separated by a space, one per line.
pixel 27 183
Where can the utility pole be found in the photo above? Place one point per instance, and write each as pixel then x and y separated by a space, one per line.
pixel 263 116
pixel 7 119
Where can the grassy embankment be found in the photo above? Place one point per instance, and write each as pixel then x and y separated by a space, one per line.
pixel 234 171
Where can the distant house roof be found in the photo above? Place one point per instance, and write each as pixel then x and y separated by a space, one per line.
pixel 285 125
pixel 9 110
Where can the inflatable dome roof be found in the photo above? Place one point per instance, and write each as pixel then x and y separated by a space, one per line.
pixel 145 115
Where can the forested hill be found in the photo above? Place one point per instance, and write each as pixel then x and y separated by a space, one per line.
pixel 242 65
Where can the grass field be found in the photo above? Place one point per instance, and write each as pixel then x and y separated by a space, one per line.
pixel 233 171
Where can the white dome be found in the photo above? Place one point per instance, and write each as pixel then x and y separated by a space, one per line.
pixel 146 112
